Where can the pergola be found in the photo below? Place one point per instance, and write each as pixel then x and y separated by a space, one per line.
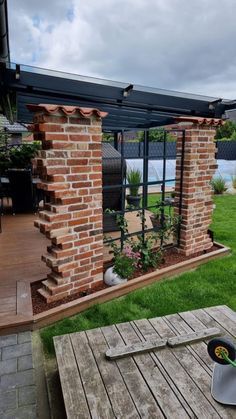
pixel 70 162
pixel 129 106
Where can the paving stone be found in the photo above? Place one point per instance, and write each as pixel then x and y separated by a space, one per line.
pixel 8 340
pixel 8 366
pixel 24 337
pixel 27 395
pixel 16 350
pixel 18 379
pixel 27 412
pixel 25 362
pixel 8 400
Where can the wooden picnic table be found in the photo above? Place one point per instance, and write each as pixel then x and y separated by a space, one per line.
pixel 165 383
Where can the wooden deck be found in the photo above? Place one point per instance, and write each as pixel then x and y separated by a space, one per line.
pixel 167 383
pixel 21 247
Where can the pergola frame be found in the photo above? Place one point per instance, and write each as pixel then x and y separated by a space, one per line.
pixel 129 107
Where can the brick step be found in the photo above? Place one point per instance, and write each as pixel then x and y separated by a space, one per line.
pixel 46 295
pixel 50 297
pixel 52 217
pixel 52 262
pixel 42 226
pixel 54 289
pixel 60 232
pixel 59 241
pixel 56 209
pixel 53 186
pixel 59 253
pixel 57 279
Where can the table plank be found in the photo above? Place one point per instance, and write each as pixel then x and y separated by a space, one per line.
pixel 159 387
pixel 202 379
pixel 145 331
pixel 208 321
pixel 199 349
pixel 97 399
pixel 228 312
pixel 225 411
pixel 166 383
pixel 73 393
pixel 222 319
pixel 140 393
pixel 186 373
pixel 122 403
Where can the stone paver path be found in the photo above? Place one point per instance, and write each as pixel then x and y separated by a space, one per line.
pixel 17 382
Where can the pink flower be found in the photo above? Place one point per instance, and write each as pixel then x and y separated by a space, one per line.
pixel 128 251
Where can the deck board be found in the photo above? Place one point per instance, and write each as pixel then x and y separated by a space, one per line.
pixel 21 247
pixel 169 382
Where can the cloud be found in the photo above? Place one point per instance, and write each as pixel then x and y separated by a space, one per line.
pixel 173 44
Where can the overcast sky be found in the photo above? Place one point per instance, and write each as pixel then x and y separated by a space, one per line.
pixel 186 45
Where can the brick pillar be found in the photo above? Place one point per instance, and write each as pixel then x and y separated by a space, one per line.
pixel 70 166
pixel 199 167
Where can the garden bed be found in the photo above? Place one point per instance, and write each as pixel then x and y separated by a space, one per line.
pixel 173 264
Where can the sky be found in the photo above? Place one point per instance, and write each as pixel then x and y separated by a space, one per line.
pixel 183 45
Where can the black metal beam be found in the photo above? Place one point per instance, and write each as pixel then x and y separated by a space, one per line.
pixel 141 108
pixel 4 38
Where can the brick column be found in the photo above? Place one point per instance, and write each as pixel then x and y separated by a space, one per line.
pixel 199 167
pixel 70 166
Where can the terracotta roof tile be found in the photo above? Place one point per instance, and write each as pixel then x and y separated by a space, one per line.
pixel 214 122
pixel 67 110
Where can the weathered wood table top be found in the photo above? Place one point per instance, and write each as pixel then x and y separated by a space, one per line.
pixel 166 383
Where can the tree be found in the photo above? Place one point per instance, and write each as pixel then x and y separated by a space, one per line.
pixel 227 131
pixel 156 135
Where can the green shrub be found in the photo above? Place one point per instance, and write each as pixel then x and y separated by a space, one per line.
pixel 218 185
pixel 21 157
pixel 124 266
pixel 233 178
pixel 226 131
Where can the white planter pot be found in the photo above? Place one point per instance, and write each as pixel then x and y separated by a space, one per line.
pixel 111 278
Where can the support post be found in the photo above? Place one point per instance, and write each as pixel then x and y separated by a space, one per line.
pixel 70 166
pixel 198 169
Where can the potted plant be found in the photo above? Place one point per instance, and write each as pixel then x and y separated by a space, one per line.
pixel 125 263
pixel 134 178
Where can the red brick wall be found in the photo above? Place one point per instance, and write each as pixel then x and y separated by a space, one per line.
pixel 199 167
pixel 70 166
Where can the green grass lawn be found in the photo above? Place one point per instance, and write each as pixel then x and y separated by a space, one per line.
pixel 211 284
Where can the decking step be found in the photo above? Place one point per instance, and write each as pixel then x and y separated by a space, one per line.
pixel 23 298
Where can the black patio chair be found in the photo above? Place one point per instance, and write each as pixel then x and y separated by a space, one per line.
pixel 5 195
pixel 24 198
